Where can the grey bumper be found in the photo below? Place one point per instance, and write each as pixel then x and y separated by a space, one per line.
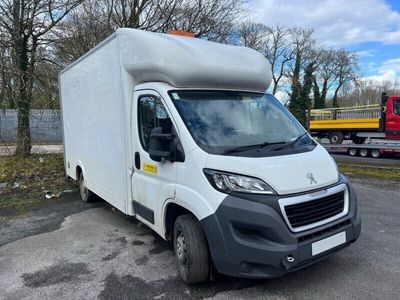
pixel 249 237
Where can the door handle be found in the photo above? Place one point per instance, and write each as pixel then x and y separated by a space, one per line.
pixel 137 160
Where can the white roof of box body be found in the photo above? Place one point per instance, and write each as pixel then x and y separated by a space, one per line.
pixel 191 63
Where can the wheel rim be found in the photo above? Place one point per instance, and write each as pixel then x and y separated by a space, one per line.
pixel 83 189
pixel 181 248
pixel 375 153
pixel 352 152
pixel 363 152
pixel 334 139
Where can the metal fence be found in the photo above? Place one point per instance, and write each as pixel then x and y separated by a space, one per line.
pixel 356 112
pixel 45 126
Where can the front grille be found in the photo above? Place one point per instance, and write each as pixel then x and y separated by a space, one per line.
pixel 319 233
pixel 305 213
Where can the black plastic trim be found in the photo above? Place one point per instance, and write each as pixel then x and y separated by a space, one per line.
pixel 143 211
pixel 251 239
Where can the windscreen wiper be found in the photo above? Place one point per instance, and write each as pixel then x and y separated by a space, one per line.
pixel 248 147
pixel 292 142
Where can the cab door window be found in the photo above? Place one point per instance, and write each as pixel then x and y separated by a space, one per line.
pixel 396 107
pixel 151 114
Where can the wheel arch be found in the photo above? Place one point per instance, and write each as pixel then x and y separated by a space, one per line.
pixel 78 170
pixel 174 208
pixel 171 212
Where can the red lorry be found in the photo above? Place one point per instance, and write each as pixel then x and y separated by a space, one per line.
pixel 360 124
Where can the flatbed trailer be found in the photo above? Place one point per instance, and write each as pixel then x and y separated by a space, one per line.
pixel 358 123
pixel 373 149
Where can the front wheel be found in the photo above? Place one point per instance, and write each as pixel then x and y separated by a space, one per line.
pixel 191 250
pixel 336 137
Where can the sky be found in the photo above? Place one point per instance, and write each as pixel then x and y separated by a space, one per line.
pixel 369 27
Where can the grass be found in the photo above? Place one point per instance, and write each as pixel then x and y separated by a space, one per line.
pixel 371 171
pixel 24 181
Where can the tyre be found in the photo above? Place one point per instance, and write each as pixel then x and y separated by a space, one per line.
pixel 336 137
pixel 358 140
pixel 86 194
pixel 191 249
pixel 364 152
pixel 375 153
pixel 352 151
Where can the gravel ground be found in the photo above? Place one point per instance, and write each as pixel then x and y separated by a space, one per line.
pixel 73 250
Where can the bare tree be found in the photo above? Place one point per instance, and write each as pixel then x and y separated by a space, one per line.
pixel 326 76
pixel 346 71
pixel 302 45
pixel 279 52
pixel 252 35
pixel 366 91
pixel 26 24
pixel 93 21
pixel 212 19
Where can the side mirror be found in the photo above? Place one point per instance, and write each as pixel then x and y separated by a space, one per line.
pixel 161 145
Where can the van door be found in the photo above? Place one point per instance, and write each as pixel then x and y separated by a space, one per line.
pixel 153 182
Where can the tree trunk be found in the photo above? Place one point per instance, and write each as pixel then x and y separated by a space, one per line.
pixel 335 102
pixel 24 133
pixel 23 100
pixel 4 92
pixel 275 88
pixel 324 92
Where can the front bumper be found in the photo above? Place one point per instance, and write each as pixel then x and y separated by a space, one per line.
pixel 249 237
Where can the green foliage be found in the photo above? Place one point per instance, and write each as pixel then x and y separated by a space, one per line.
pixel 307 85
pixel 319 98
pixel 296 106
pixel 300 100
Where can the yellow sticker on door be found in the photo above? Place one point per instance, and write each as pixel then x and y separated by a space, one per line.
pixel 150 168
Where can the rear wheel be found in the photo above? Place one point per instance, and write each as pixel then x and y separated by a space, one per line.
pixel 364 152
pixel 375 153
pixel 352 151
pixel 191 250
pixel 86 194
pixel 336 137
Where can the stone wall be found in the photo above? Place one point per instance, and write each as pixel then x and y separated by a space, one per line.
pixel 45 126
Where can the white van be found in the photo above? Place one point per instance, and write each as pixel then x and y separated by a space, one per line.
pixel 180 133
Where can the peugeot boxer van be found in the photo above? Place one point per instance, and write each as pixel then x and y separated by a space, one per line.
pixel 182 134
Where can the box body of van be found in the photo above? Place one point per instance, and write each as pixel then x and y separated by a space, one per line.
pixel 180 133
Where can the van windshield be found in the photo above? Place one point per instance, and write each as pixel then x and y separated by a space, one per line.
pixel 239 123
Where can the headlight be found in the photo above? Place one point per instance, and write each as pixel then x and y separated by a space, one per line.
pixel 228 182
